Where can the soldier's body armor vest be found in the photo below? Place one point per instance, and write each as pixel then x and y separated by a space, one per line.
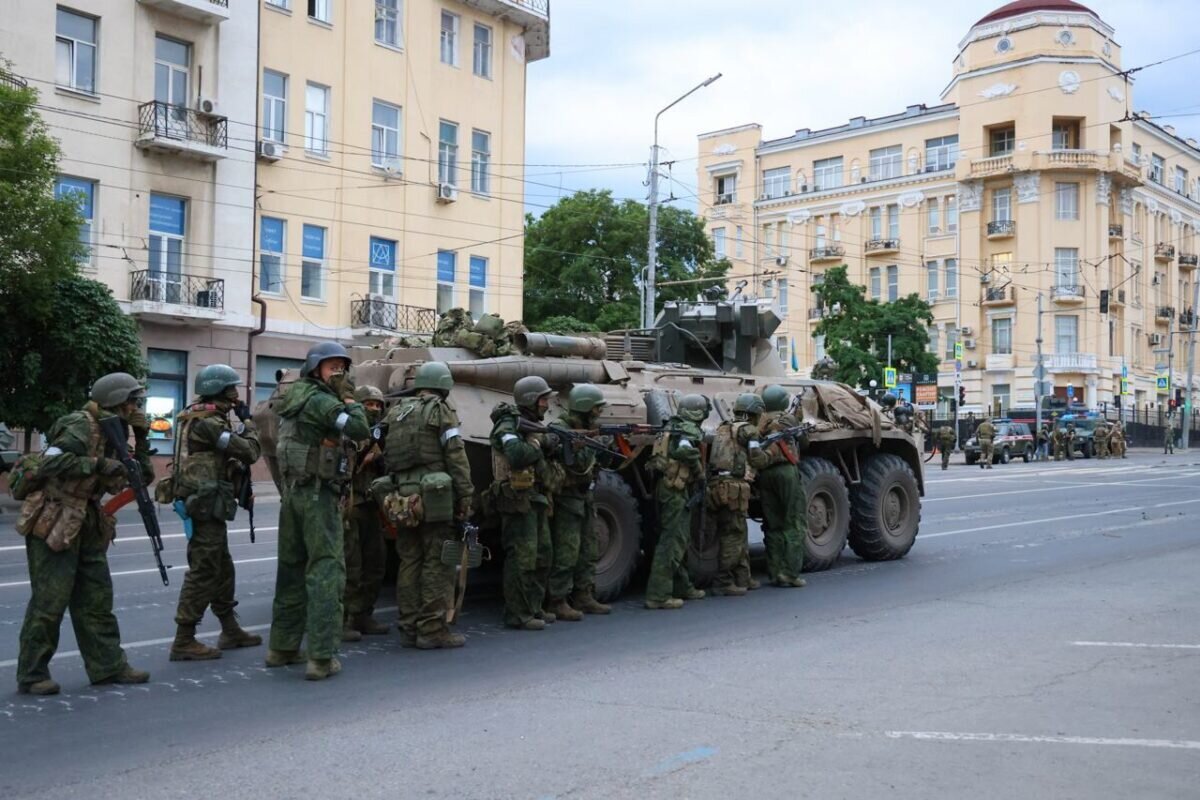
pixel 414 437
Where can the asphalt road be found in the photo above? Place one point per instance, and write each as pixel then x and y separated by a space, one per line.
pixel 1041 640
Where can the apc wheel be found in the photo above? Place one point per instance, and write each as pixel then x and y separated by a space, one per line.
pixel 1005 456
pixel 885 510
pixel 1086 450
pixel 828 505
pixel 618 534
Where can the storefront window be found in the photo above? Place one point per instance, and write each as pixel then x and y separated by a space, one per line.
pixel 266 368
pixel 166 395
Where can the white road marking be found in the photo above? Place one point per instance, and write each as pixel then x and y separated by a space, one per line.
pixel 946 736
pixel 1147 645
pixel 165 536
pixel 1029 522
pixel 1058 487
pixel 179 568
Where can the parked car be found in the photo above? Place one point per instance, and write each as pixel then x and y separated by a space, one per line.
pixel 1085 427
pixel 1013 440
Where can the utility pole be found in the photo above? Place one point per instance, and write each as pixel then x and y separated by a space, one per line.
pixel 1039 374
pixel 1187 397
pixel 889 349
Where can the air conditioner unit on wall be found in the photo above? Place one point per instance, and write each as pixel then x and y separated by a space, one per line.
pixel 967 330
pixel 972 365
pixel 781 261
pixel 1156 338
pixel 269 151
pixel 207 106
pixel 969 344
pixel 447 193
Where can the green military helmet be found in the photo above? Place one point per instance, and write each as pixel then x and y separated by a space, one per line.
pixel 366 392
pixel 490 325
pixel 323 351
pixel 528 390
pixel 433 375
pixel 585 398
pixel 888 400
pixel 748 403
pixel 776 398
pixel 116 388
pixel 215 379
pixel 694 407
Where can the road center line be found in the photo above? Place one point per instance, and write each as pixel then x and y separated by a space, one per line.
pixel 1146 645
pixel 1034 521
pixel 946 736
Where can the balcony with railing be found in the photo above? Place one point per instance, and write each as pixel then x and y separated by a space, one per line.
pixel 11 81
pixel 175 296
pixel 1116 297
pixel 1072 362
pixel 1001 229
pixel 1067 293
pixel 882 247
pixel 1164 251
pixel 832 252
pixel 725 199
pixel 998 296
pixel 167 128
pixel 1187 318
pixel 1164 313
pixel 1116 232
pixel 531 15
pixel 996 165
pixel 377 314
pixel 816 312
pixel 1188 260
pixel 209 12
pixel 1069 160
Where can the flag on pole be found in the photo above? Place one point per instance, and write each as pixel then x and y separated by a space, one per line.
pixel 795 361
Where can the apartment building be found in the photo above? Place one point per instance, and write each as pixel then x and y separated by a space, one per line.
pixel 1034 181
pixel 390 183
pixel 150 102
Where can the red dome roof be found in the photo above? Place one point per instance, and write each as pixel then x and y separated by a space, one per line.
pixel 1025 6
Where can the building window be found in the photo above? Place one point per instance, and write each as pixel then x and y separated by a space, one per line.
pixel 286 5
pixel 1136 270
pixel 1181 180
pixel 718 237
pixel 1066 267
pixel 168 230
pixel 166 395
pixel 267 370
pixel 450 38
pixel 827 173
pixel 1136 151
pixel 941 153
pixel 820 234
pixel 951 341
pixel 726 189
pixel 1002 205
pixel 448 153
pixel 1001 398
pixel 783 298
pixel 934 216
pixel 1001 141
pixel 776 182
pixel 387 22
pixel 445 280
pixel 1063 136
pixel 385 135
pixel 482 61
pixel 1066 334
pixel 382 280
pixel 319 10
pixel 316 119
pixel 876 283
pixel 886 163
pixel 312 266
pixel 83 194
pixel 172 68
pixel 893 211
pixel 272 240
pixel 1066 201
pixel 781 345
pixel 1002 335
pixel 1156 168
pixel 951 277
pixel 876 222
pixel 818 347
pixel 478 280
pixel 893 278
pixel 274 125
pixel 934 335
pixel 931 281
pixel 481 162
pixel 75 51
pixel 951 214
pixel 737 243
pixel 768 240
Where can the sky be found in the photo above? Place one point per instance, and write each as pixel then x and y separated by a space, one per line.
pixel 785 64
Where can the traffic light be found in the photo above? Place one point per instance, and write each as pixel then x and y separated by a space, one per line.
pixel 962 395
pixel 1104 301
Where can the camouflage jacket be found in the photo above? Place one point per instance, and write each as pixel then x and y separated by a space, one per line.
pixel 310 414
pixel 71 457
pixel 580 474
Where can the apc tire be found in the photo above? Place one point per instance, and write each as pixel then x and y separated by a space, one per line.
pixel 619 533
pixel 1085 450
pixel 827 502
pixel 1005 456
pixel 885 509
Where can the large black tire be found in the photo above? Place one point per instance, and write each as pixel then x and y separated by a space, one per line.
pixel 828 504
pixel 1005 455
pixel 1085 450
pixel 971 460
pixel 619 533
pixel 1028 454
pixel 885 509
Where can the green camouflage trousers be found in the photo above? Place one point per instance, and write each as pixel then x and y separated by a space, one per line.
pixel 78 579
pixel 210 577
pixel 423 583
pixel 785 521
pixel 366 559
pixel 311 575
pixel 986 451
pixel 573 546
pixel 733 565
pixel 668 571
pixel 527 555
pixel 946 458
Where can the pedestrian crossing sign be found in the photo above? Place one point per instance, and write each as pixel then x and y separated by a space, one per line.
pixel 889 377
pixel 1125 390
pixel 958 351
pixel 1164 383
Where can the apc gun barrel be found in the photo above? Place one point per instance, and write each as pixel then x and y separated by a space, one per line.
pixel 549 344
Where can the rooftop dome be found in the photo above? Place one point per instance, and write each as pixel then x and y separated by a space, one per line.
pixel 1025 6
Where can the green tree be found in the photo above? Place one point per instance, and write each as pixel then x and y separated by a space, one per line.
pixel 564 324
pixel 856 331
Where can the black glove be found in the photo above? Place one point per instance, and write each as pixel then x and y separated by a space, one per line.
pixel 242 411
pixel 109 467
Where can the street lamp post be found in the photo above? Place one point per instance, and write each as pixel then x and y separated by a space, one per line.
pixel 652 245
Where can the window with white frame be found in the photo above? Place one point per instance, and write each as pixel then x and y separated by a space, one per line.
pixel 1156 168
pixel 737 243
pixel 1002 335
pixel 382 263
pixel 781 345
pixel 932 281
pixel 941 153
pixel 819 239
pixel 1001 141
pixel 274 124
pixel 876 222
pixel 777 182
pixel 481 162
pixel 951 341
pixel 284 4
pixel 1060 136
pixel 448 152
pixel 385 135
pixel 718 238
pixel 893 279
pixel 726 189
pixel 478 286
pixel 316 119
pixel 893 214
pixel 934 216
pixel 876 277
pixel 1066 201
pixel 768 239
pixel 82 193
pixel 168 232
pixel 272 240
pixel 951 277
pixel 312 263
pixel 1135 269
pixel 1135 151
pixel 885 163
pixel 445 280
pixel 951 214
pixel 1001 397
pixel 827 174
pixel 1002 204
pixel 75 44
pixel 449 38
pixel 783 298
pixel 1066 333
pixel 1181 180
pixel 934 335
pixel 482 51
pixel 387 22
pixel 1066 267
pixel 818 347
pixel 320 10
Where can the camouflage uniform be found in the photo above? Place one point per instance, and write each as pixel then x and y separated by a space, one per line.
pixel 1058 438
pixel 1169 436
pixel 679 459
pixel 363 545
pixel 1100 438
pixel 735 453
pixel 785 523
pixel 1069 441
pixel 1117 441
pixel 986 433
pixel 945 438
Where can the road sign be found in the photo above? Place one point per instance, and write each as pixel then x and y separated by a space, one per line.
pixel 889 377
pixel 1039 372
pixel 906 377
pixel 1070 390
pixel 1124 371
pixel 958 351
pixel 1047 388
pixel 1164 382
pixel 1125 388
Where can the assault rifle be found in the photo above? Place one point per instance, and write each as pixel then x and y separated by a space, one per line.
pixel 245 495
pixel 788 435
pixel 568 439
pixel 114 431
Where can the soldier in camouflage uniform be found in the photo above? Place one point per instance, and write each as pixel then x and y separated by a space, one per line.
pixel 523 482
pixel 785 523
pixel 316 415
pixel 1118 441
pixel 1169 435
pixel 986 434
pixel 210 453
pixel 1100 439
pixel 678 458
pixel 572 526
pixel 67 537
pixel 1058 439
pixel 735 453
pixel 423 448
pixel 945 440
pixel 1069 441
pixel 363 546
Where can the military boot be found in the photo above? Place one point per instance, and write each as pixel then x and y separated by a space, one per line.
pixel 408 638
pixel 369 626
pixel 694 594
pixel 41 688
pixel 320 669
pixel 588 604
pixel 234 636
pixel 285 658
pixel 729 591
pixel 547 617
pixel 127 675
pixel 788 582
pixel 754 584
pixel 669 603
pixel 562 610
pixel 187 648
pixel 441 639
pixel 349 632
pixel 532 624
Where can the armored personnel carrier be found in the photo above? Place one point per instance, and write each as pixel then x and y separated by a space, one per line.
pixel 862 474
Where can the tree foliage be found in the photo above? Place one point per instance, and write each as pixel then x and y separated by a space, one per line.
pixel 856 331
pixel 584 256
pixel 564 323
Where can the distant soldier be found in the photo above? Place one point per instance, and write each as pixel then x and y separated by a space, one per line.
pixel 785 521
pixel 1069 441
pixel 210 453
pixel 1117 441
pixel 1100 438
pixel 678 459
pixel 945 440
pixel 67 537
pixel 1169 435
pixel 735 454
pixel 1043 442
pixel 986 433
pixel 363 545
pixel 1058 438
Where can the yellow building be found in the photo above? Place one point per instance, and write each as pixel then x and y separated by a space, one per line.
pixel 391 142
pixel 1034 178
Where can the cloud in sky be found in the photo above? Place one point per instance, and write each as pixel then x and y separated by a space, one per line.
pixel 786 64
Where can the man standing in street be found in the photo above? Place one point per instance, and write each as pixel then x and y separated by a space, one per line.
pixel 1169 435
pixel 785 521
pixel 736 454
pixel 1069 441
pixel 1117 440
pixel 365 553
pixel 1043 442
pixel 986 432
pixel 317 415
pixel 945 440
pixel 1100 439
pixel 210 453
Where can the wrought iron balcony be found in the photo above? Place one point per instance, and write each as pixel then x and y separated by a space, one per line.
pixel 1067 293
pixel 1164 251
pixel 179 129
pixel 828 253
pixel 207 11
pixel 1001 228
pixel 1164 312
pixel 379 314
pixel 175 295
pixel 12 81
pixel 816 312
pixel 882 246
pixel 1188 260
pixel 1000 296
